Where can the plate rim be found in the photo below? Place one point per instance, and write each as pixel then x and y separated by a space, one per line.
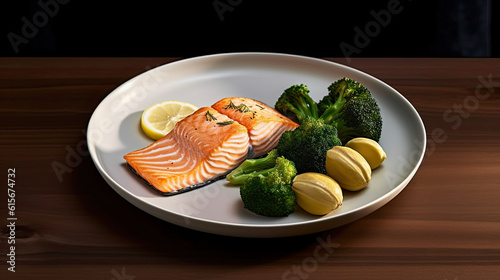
pixel 133 199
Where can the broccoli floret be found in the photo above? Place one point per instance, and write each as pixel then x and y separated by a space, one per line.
pixel 307 145
pixel 350 107
pixel 267 200
pixel 269 192
pixel 253 167
pixel 361 119
pixel 296 104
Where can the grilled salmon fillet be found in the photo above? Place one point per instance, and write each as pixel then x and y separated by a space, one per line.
pixel 201 148
pixel 264 124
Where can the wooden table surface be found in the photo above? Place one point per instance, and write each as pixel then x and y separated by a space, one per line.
pixel 445 225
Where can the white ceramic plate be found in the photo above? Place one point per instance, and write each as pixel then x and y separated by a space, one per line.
pixel 114 130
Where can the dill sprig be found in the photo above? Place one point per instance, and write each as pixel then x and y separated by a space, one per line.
pixel 243 108
pixel 209 117
pixel 230 105
pixel 225 123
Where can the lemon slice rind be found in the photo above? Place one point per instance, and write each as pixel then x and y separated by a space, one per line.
pixel 160 118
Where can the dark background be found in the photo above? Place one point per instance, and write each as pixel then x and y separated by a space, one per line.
pixel 442 28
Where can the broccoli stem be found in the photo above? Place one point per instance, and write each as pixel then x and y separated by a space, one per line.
pixel 311 108
pixel 331 114
pixel 252 167
pixel 305 107
pixel 346 133
pixel 299 112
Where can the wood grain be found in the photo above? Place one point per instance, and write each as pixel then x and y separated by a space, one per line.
pixel 445 225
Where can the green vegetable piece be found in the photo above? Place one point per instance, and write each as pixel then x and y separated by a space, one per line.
pixel 266 184
pixel 307 145
pixel 273 200
pixel 350 107
pixel 296 104
pixel 253 167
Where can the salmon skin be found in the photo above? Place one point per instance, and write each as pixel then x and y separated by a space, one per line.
pixel 201 148
pixel 264 124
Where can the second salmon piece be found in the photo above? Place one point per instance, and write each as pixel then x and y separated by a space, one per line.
pixel 201 148
pixel 264 124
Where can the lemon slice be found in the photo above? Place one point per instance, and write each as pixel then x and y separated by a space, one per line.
pixel 159 119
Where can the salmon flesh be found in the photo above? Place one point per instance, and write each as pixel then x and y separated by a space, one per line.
pixel 264 124
pixel 208 144
pixel 201 147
